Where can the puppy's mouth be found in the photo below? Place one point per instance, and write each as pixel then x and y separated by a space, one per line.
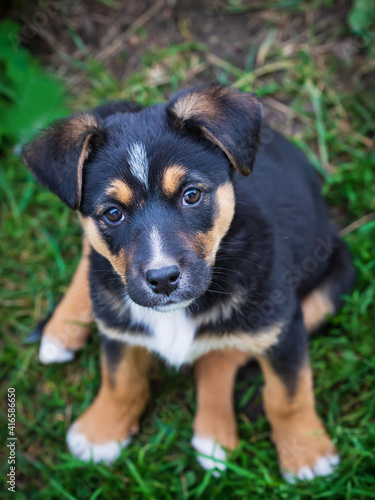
pixel 173 306
pixel 162 303
pixel 162 308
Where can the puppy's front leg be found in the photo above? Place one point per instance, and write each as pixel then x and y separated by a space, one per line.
pixel 304 448
pixel 215 422
pixel 67 330
pixel 106 427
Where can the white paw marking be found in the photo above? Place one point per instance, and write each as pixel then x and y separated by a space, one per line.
pixel 53 351
pixel 208 446
pixel 323 467
pixel 81 447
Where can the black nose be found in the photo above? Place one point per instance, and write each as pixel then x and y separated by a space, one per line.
pixel 163 280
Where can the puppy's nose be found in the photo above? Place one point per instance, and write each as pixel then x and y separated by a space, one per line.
pixel 163 280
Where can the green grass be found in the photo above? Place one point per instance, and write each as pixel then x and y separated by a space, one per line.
pixel 40 247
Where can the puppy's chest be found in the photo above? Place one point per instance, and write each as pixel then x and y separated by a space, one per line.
pixel 171 334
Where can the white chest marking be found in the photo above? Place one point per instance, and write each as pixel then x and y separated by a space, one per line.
pixel 172 336
pixel 172 332
pixel 137 159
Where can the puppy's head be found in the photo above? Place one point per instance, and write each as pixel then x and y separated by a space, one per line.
pixel 154 188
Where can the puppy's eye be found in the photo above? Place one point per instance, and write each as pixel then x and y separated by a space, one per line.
pixel 191 196
pixel 113 215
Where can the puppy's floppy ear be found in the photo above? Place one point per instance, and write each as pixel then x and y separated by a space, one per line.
pixel 229 118
pixel 57 155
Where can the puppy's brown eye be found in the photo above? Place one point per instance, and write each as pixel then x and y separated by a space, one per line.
pixel 191 196
pixel 113 215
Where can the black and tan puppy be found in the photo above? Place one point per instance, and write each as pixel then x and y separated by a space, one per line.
pixel 191 260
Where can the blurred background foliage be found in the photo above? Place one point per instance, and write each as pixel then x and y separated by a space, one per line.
pixel 313 64
pixel 29 97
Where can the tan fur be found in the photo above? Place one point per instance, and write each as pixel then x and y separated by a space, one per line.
pixel 120 191
pixel 78 124
pixel 210 241
pixel 66 324
pixel 206 103
pixel 297 431
pixel 82 157
pixel 315 307
pixel 195 105
pixel 115 413
pixel 76 129
pixel 172 178
pixel 251 344
pixel 119 262
pixel 215 376
pixel 94 237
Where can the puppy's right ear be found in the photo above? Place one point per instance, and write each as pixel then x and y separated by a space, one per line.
pixel 57 155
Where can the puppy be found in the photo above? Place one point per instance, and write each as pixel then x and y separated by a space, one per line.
pixel 189 258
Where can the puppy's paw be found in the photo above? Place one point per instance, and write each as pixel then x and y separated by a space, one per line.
pixel 80 446
pixel 104 429
pixel 211 454
pixel 52 350
pixel 307 456
pixel 324 466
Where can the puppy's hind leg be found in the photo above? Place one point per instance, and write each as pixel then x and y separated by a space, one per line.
pixel 68 328
pixel 303 445
pixel 327 297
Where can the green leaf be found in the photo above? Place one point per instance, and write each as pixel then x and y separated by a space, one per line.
pixel 361 15
pixel 30 98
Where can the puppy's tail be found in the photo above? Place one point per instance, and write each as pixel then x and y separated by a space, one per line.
pixel 36 334
pixel 327 297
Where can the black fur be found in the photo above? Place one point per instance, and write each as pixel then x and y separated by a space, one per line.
pixel 113 107
pixel 280 244
pixel 113 350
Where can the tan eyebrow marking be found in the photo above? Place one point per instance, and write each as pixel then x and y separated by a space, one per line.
pixel 119 262
pixel 120 191
pixel 100 209
pixel 172 179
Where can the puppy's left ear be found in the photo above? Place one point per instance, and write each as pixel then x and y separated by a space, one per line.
pixel 230 119
pixel 57 155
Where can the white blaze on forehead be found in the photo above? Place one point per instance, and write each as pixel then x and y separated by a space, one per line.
pixel 137 159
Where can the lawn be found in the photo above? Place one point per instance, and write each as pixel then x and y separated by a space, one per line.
pixel 313 64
